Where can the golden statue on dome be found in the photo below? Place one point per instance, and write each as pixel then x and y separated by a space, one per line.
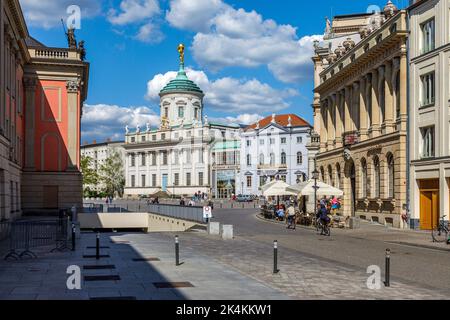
pixel 181 52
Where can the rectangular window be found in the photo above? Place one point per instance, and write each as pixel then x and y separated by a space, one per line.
pixel 133 181
pixel 200 178
pixel 249 181
pixel 428 89
pixel 143 138
pixel 427 143
pixel 143 180
pixel 154 137
pixel 272 140
pixel 188 179
pixel 133 139
pixel 164 158
pixel 143 160
pixel 153 180
pixel 200 155
pixel 283 140
pixel 133 160
pixel 176 179
pixel 176 160
pixel 249 143
pixel 428 36
pixel 180 112
pixel 163 136
pixel 153 158
pixel 299 140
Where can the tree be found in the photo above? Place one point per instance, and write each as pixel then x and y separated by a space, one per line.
pixel 90 176
pixel 112 175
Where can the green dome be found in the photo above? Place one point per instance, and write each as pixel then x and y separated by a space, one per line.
pixel 181 84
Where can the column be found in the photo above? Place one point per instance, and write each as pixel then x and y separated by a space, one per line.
pixel 338 118
pixel 376 130
pixel 323 128
pixel 72 125
pixel 363 133
pixel 331 130
pixel 347 111
pixel 403 90
pixel 389 98
pixel 30 121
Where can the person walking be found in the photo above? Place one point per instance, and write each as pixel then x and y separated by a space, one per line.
pixel 291 216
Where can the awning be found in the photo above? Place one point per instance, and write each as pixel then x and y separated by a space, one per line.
pixel 307 189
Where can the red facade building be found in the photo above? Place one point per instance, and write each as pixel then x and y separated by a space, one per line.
pixel 42 90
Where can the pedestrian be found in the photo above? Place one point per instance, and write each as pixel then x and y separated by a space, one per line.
pixel 106 200
pixel 291 216
pixel 182 202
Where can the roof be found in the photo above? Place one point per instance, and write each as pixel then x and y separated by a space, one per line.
pixel 32 42
pixel 226 145
pixel 181 84
pixel 105 143
pixel 282 120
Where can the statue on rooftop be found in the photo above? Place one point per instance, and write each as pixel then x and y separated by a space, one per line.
pixel 71 39
pixel 181 52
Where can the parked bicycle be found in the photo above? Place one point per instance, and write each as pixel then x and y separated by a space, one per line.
pixel 440 233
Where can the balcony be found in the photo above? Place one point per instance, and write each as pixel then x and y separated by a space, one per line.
pixel 272 167
pixel 54 53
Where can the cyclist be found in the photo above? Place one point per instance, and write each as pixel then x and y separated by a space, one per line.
pixel 291 215
pixel 323 216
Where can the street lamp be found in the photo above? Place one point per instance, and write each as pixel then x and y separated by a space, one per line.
pixel 315 175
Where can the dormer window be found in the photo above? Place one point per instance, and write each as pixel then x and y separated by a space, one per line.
pixel 180 112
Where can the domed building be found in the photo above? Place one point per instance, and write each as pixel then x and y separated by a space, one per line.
pixel 178 157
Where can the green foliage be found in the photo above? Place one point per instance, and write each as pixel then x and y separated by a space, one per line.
pixel 112 176
pixel 90 176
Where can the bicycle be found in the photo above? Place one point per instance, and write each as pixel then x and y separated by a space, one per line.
pixel 440 233
pixel 323 227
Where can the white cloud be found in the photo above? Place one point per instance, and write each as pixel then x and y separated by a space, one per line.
pixel 134 11
pixel 245 119
pixel 193 14
pixel 228 37
pixel 48 13
pixel 230 94
pixel 104 121
pixel 150 33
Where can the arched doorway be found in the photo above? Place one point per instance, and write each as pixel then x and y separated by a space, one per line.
pixel 350 189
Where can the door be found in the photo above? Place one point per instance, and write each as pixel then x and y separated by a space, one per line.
pixel 50 197
pixel 429 209
pixel 164 182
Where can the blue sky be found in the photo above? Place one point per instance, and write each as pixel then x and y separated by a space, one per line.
pixel 251 57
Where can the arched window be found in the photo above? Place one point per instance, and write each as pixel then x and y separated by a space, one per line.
pixel 261 159
pixel 364 178
pixel 272 159
pixel 283 158
pixel 299 158
pixel 330 176
pixel 338 176
pixel 391 177
pixel 249 160
pixel 376 177
pixel 322 174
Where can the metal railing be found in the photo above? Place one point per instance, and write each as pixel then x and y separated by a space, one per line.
pixel 179 212
pixel 28 235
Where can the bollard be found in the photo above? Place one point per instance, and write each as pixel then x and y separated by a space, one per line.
pixel 275 257
pixel 97 247
pixel 388 268
pixel 73 237
pixel 177 251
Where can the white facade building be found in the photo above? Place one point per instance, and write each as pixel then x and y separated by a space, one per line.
pixel 273 148
pixel 429 109
pixel 99 152
pixel 175 158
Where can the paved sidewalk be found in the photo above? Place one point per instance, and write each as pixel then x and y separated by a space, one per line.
pixel 45 278
pixel 375 231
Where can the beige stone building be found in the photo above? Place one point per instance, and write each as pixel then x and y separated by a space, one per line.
pixel 360 112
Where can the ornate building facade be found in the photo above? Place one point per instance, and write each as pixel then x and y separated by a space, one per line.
pixel 274 148
pixel 429 112
pixel 175 158
pixel 41 93
pixel 360 113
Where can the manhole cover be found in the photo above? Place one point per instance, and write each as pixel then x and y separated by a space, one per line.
pixel 146 259
pixel 102 278
pixel 94 256
pixel 171 285
pixel 100 267
pixel 113 298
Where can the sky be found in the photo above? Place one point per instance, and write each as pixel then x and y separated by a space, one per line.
pixel 252 58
